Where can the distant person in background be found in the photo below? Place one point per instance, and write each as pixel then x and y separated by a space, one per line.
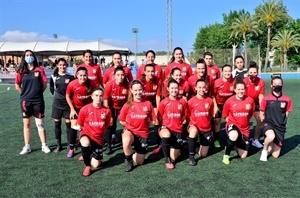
pixel 212 70
pixel 240 71
pixel 178 60
pixel 94 70
pixel 274 111
pixel 31 82
pixel 60 109
pixel 150 58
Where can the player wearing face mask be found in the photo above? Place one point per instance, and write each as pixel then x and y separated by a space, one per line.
pixel 255 88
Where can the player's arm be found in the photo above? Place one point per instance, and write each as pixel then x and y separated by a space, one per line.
pixel 261 115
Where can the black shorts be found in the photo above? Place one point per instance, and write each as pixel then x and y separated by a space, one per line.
pixel 175 139
pixel 97 149
pixel 76 116
pixel 59 113
pixel 257 107
pixel 219 113
pixel 242 142
pixel 279 135
pixel 153 102
pixel 35 109
pixel 205 137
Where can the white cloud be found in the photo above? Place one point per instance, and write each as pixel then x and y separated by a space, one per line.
pixel 18 36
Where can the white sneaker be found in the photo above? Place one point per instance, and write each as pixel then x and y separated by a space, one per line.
pixel 25 150
pixel 46 149
pixel 257 144
pixel 264 156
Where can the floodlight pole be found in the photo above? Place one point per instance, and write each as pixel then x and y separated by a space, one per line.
pixel 135 31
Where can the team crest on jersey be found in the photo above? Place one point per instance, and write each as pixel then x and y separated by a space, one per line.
pixel 102 115
pixel 257 88
pixel 36 74
pixel 206 105
pixel 154 87
pixel 184 69
pixel 67 81
pixel 94 71
pixel 179 106
pixel 145 108
pixel 248 106
pixel 156 72
pixel 213 71
pixel 231 88
pixel 282 105
pixel 181 92
pixel 124 91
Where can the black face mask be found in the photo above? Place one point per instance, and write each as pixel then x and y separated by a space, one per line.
pixel 252 77
pixel 277 88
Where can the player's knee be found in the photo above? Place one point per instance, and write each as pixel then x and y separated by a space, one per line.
pixel 270 135
pixel 39 124
pixel 95 163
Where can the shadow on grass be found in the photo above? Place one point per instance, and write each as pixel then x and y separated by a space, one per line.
pixel 289 144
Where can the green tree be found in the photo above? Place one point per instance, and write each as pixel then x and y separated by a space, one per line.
pixel 268 13
pixel 285 40
pixel 294 56
pixel 244 25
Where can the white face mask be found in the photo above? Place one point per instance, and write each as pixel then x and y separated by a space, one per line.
pixel 29 59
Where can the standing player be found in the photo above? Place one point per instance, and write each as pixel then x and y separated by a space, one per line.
pixel 31 82
pixel 255 88
pixel 78 94
pixel 150 57
pixel 172 113
pixel 117 62
pixel 135 116
pixel 58 86
pixel 237 111
pixel 94 70
pixel 212 70
pixel 115 96
pixel 274 111
pixel 93 120
pixel 177 60
pixel 200 112
pixel 223 89
pixel 240 71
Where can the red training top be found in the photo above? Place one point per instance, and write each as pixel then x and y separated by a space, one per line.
pixel 109 74
pixel 223 90
pixel 214 72
pixel 116 94
pixel 159 73
pixel 94 73
pixel 186 70
pixel 182 89
pixel 253 89
pixel 209 87
pixel 152 89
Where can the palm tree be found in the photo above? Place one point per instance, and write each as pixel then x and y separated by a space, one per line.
pixel 243 25
pixel 269 13
pixel 284 40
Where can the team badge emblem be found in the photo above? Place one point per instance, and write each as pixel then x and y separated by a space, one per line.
pixel 206 105
pixel 102 115
pixel 184 69
pixel 154 87
pixel 213 71
pixel 124 91
pixel 94 71
pixel 179 106
pixel 282 105
pixel 145 108
pixel 248 106
pixel 67 81
pixel 231 88
pixel 257 88
pixel 36 74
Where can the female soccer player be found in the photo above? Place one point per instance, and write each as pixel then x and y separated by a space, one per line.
pixel 135 116
pixel 93 120
pixel 115 96
pixel 150 57
pixel 78 94
pixel 200 112
pixel 223 89
pixel 237 112
pixel 255 89
pixel 94 70
pixel 274 111
pixel 240 71
pixel 177 60
pixel 58 86
pixel 117 62
pixel 172 113
pixel 212 70
pixel 31 82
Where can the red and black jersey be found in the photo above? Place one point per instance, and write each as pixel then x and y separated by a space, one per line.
pixel 223 90
pixel 183 88
pixel 152 89
pixel 116 94
pixel 32 84
pixel 137 117
pixel 109 74
pixel 209 85
pixel 239 113
pixel 200 112
pixel 159 73
pixel 275 109
pixel 186 70
pixel 80 93
pixel 253 89
pixel 172 113
pixel 94 121
pixel 94 73
pixel 214 72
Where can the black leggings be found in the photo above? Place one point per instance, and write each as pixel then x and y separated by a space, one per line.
pixel 112 129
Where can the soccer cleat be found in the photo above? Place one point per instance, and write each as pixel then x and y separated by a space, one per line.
pixel 157 150
pixel 217 144
pixel 80 158
pixel 129 166
pixel 264 156
pixel 71 153
pixel 192 161
pixel 46 149
pixel 108 150
pixel 58 149
pixel 257 144
pixel 25 150
pixel 170 166
pixel 226 159
pixel 87 171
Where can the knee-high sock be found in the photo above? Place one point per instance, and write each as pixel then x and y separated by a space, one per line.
pixel 229 146
pixel 86 154
pixel 166 148
pixel 57 131
pixel 68 130
pixel 73 137
pixel 192 142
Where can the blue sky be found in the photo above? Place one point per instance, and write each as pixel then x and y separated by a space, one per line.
pixel 112 20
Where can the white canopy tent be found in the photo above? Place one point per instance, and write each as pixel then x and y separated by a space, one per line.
pixel 70 48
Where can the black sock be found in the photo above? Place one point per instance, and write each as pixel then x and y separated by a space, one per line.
pixel 158 139
pixel 68 129
pixel 109 136
pixel 57 130
pixel 216 135
pixel 166 148
pixel 129 157
pixel 73 137
pixel 86 154
pixel 192 142
pixel 229 146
